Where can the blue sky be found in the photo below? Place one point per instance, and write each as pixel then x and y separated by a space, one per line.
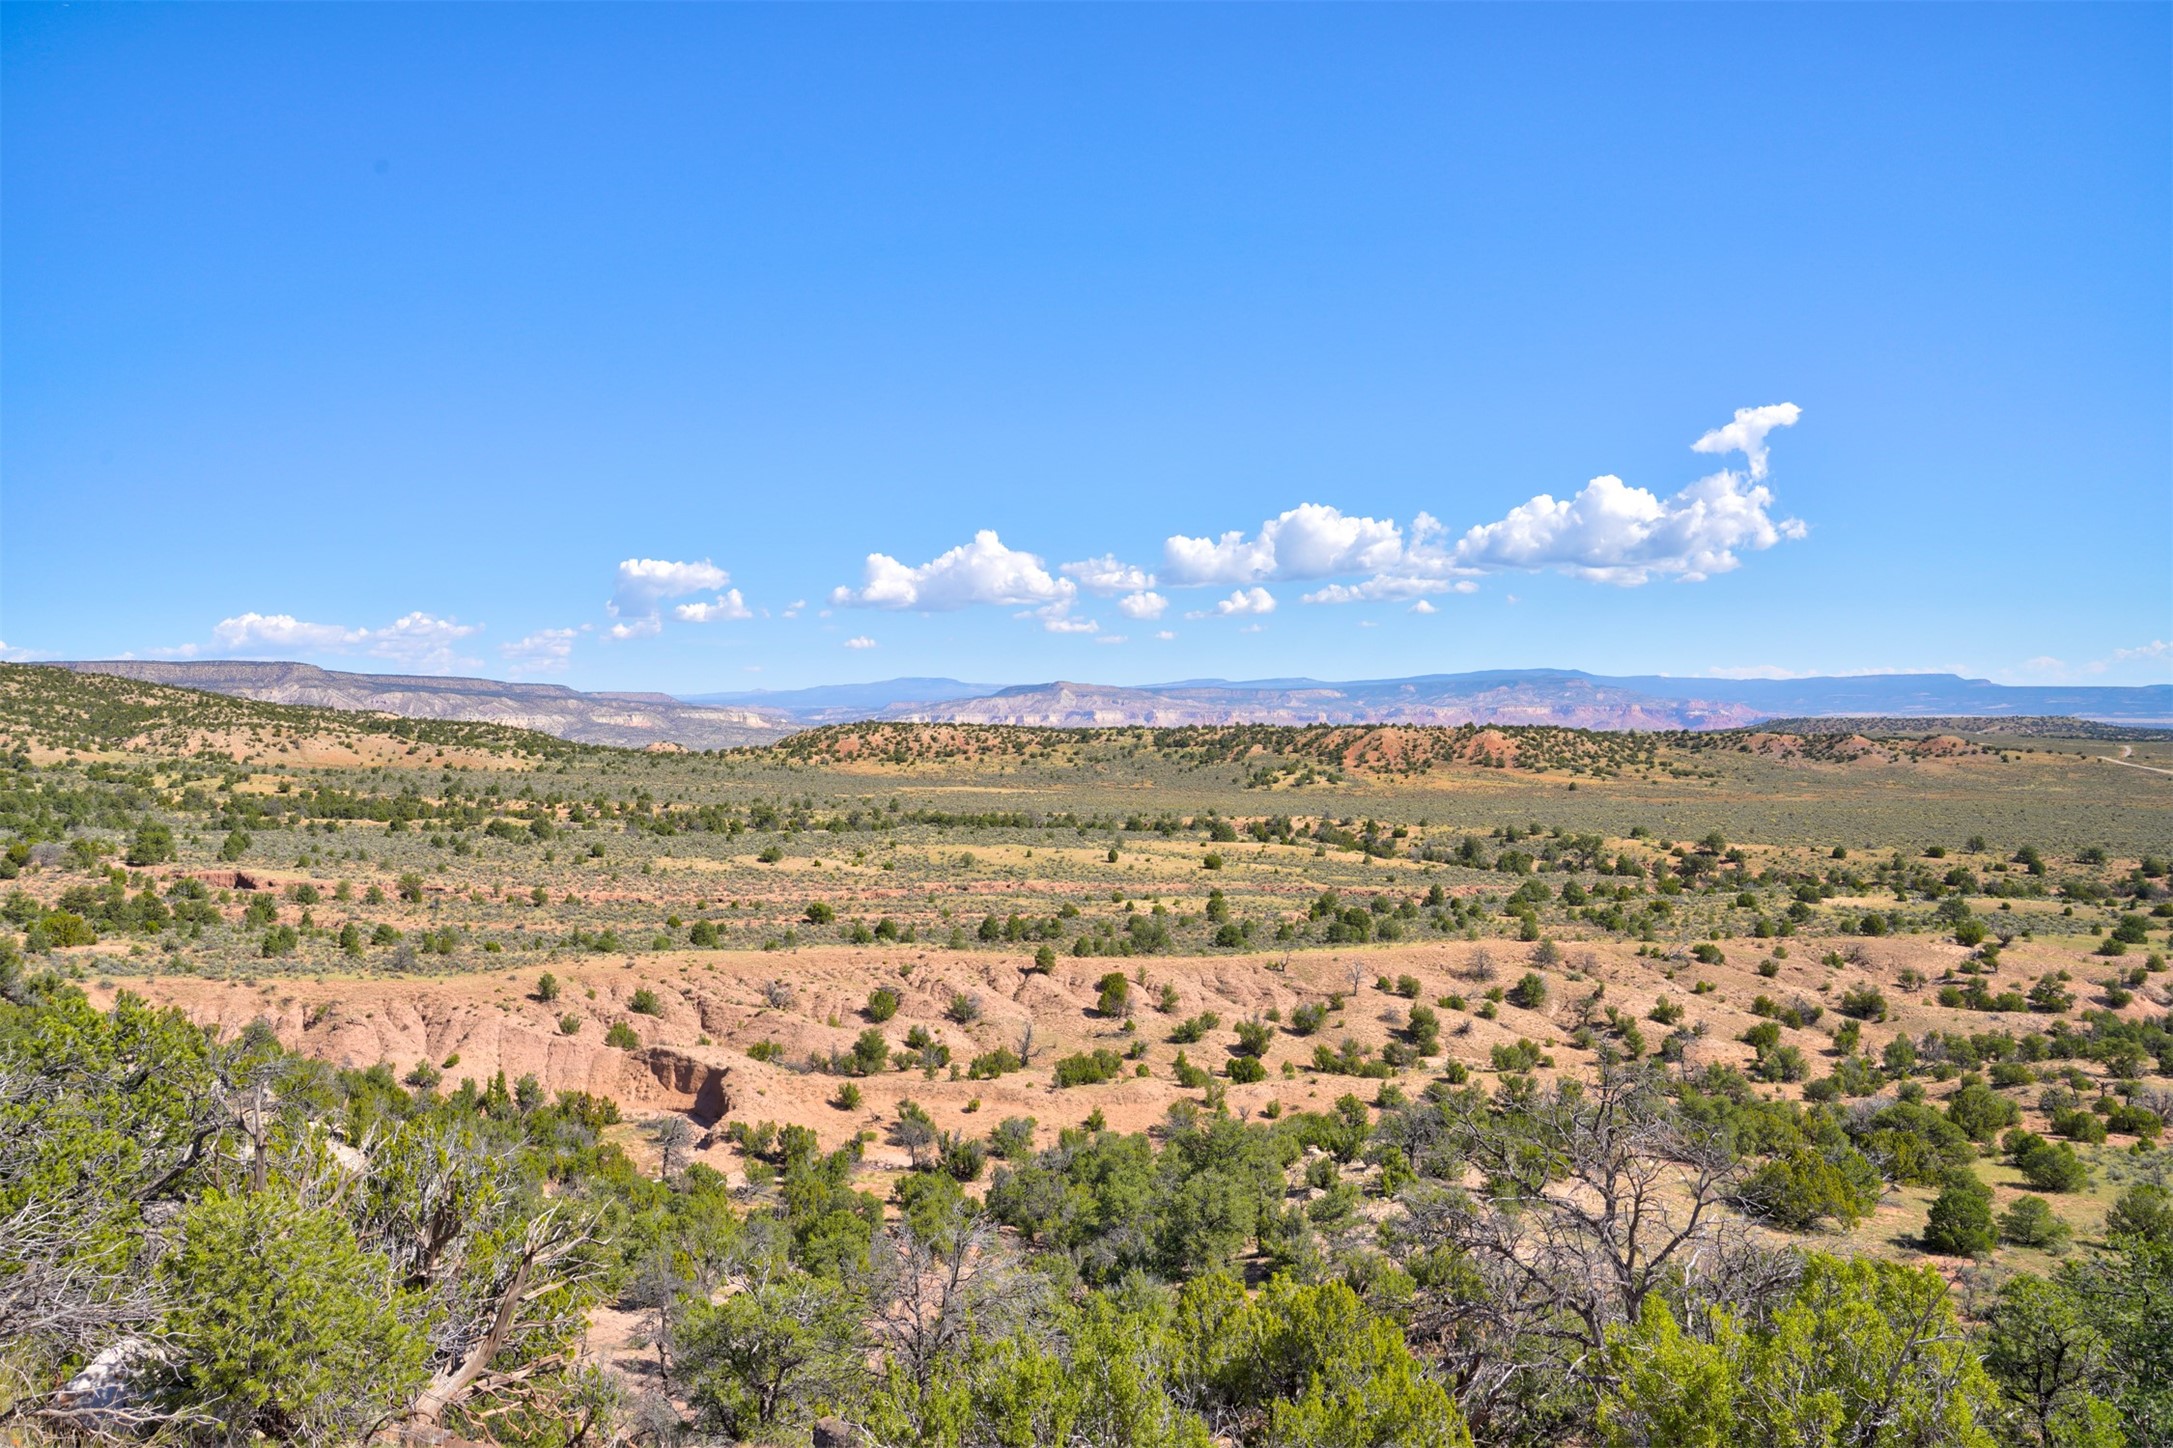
pixel 710 348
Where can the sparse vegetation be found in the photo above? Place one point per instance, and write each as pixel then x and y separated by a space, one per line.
pixel 1026 908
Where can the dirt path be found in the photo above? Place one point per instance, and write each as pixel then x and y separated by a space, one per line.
pixel 2125 751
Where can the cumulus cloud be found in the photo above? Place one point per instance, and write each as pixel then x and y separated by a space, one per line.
pixel 983 571
pixel 1112 639
pixel 1241 603
pixel 1164 635
pixel 1108 575
pixel 726 605
pixel 417 640
pixel 642 585
pixel 1747 434
pixel 1607 532
pixel 543 652
pixel 12 655
pixel 860 641
pixel 281 631
pixel 1611 532
pixel 1056 618
pixel 1312 540
pixel 1422 606
pixel 420 641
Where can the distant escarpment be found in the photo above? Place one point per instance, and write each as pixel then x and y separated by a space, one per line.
pixel 631 721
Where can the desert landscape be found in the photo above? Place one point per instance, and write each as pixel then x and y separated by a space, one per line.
pixel 915 953
pixel 749 725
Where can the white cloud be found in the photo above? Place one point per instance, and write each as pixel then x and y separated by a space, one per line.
pixel 1142 605
pixel 1112 639
pixel 727 605
pixel 1386 587
pixel 2046 669
pixel 282 631
pixel 1311 540
pixel 1241 603
pixel 792 609
pixel 1164 635
pixel 543 652
pixel 1613 533
pixel 860 641
pixel 983 571
pixel 1056 620
pixel 1608 532
pixel 1252 628
pixel 1422 606
pixel 1107 575
pixel 642 584
pixel 2155 649
pixel 418 640
pixel 1747 434
pixel 12 655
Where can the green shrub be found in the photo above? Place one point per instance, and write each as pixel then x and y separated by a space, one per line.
pixel 870 1053
pixel 2144 1210
pixel 1960 1224
pixel 1803 1187
pixel 2031 1223
pixel 1864 1003
pixel 1194 1029
pixel 283 1326
pixel 2050 1167
pixel 1089 1068
pixel 992 1064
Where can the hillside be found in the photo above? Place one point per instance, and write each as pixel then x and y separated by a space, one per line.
pixel 51 711
pixel 626 720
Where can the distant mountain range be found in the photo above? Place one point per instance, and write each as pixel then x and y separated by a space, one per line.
pixel 1565 697
pixel 848 701
pixel 1503 696
pixel 630 721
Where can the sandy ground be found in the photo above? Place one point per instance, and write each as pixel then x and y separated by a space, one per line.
pixel 711 1007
